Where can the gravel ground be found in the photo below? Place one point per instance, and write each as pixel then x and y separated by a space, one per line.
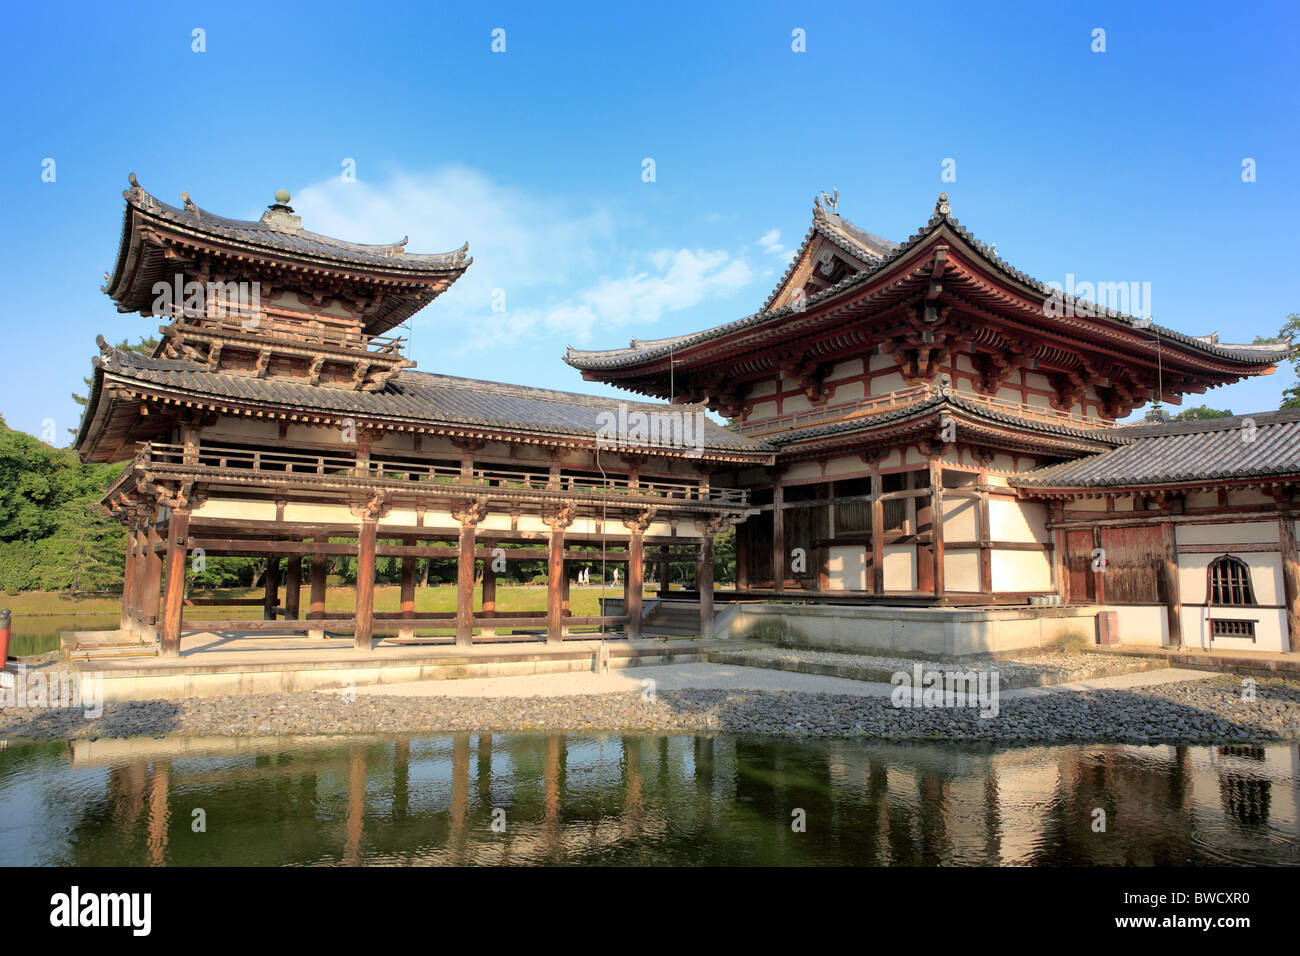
pixel 1030 670
pixel 1202 711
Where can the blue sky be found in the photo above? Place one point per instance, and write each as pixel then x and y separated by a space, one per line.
pixel 1116 166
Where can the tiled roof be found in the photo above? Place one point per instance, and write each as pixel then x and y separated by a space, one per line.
pixel 639 352
pixel 416 397
pixel 281 232
pixel 1266 444
pixel 1102 436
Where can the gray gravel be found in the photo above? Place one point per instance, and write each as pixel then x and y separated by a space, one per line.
pixel 1203 711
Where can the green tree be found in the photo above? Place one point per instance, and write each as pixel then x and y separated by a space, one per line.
pixel 53 533
pixel 145 346
pixel 1202 411
pixel 1290 332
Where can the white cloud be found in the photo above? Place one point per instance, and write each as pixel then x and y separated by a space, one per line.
pixel 563 270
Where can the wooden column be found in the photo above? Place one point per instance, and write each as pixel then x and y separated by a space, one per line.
pixel 704 581
pixel 319 571
pixel 778 537
pixel 127 622
pixel 366 581
pixel 985 532
pixel 1290 580
pixel 465 584
pixel 1169 582
pixel 153 564
pixel 141 538
pixel 632 585
pixel 665 573
pixel 489 590
pixel 178 528
pixel 292 586
pixel 555 574
pixel 936 523
pixel 408 593
pixel 1060 573
pixel 877 532
pixel 271 598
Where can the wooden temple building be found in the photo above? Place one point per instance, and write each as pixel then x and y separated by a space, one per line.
pixel 914 424
pixel 946 433
pixel 279 417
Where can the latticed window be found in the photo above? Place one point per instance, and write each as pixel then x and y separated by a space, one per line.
pixel 1230 581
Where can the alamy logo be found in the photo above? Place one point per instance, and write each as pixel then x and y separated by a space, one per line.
pixel 74 908
pixel 935 688
pixel 213 300
pixel 1075 299
pixel 27 688
pixel 655 429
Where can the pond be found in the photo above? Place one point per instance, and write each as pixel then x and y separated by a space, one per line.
pixel 641 799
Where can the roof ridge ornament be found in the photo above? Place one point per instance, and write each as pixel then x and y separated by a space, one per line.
pixel 941 208
pixel 279 215
pixel 832 201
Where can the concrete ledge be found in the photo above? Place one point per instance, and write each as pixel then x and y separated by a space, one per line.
pixel 915 632
pixel 1249 663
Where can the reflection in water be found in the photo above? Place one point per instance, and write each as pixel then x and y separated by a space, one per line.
pixel 639 799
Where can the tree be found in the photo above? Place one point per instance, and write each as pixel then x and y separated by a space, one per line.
pixel 53 533
pixel 145 346
pixel 1289 332
pixel 1202 411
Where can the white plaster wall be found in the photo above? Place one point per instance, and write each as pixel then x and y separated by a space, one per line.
pixel 1015 520
pixel 900 567
pixel 1021 571
pixel 961 570
pixel 1143 624
pixel 848 568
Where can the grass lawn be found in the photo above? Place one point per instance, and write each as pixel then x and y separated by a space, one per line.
pixel 40 616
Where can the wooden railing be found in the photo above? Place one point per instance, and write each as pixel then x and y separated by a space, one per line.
pixel 904 398
pixel 291 333
pixel 484 477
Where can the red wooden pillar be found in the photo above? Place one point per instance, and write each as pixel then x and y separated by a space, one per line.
pixel 633 586
pixel 936 523
pixel 985 534
pixel 152 593
pixel 178 529
pixel 555 575
pixel 489 600
pixel 778 538
pixel 292 586
pixel 465 584
pixel 271 593
pixel 877 532
pixel 127 621
pixel 1290 580
pixel 366 581
pixel 704 581
pixel 407 593
pixel 319 571
pixel 141 538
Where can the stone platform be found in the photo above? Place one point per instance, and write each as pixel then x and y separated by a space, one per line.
pixel 212 664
